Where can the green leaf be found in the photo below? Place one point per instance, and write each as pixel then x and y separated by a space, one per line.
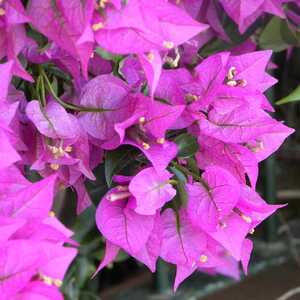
pixel 181 196
pixel 85 270
pixel 97 188
pixel 292 97
pixel 179 175
pixel 115 161
pixel 277 35
pixel 214 46
pixel 85 222
pixel 107 55
pixel 187 145
pixel 192 165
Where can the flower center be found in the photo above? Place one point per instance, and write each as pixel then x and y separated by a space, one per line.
pixel 231 81
pixel 139 134
pixel 59 151
pixel 190 98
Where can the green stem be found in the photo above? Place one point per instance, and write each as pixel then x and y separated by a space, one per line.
pixel 187 172
pixel 173 181
pixel 69 105
pixel 42 92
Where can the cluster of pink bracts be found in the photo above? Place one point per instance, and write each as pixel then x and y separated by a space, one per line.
pixel 136 79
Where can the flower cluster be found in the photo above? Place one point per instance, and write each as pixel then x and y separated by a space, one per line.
pixel 32 256
pixel 222 105
pixel 91 76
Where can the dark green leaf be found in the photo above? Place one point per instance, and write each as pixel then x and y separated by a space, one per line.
pixel 107 55
pixel 85 222
pixel 115 161
pixel 192 165
pixel 292 97
pixel 181 197
pixel 214 46
pixel 187 145
pixel 277 35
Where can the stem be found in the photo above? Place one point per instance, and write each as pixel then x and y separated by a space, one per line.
pixel 69 105
pixel 43 92
pixel 186 171
pixel 173 181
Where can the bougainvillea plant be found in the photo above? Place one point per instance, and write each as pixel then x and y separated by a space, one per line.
pixel 122 86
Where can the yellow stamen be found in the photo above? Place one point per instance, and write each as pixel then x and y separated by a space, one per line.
pixel 50 281
pixel 161 141
pixel 203 258
pixel 191 98
pixel 68 149
pixel 242 82
pixel 57 282
pixel 142 120
pixel 61 152
pixel 2 12
pixel 150 56
pixel 168 44
pixel 46 279
pixel 102 3
pixel 258 147
pixel 97 26
pixel 122 188
pixel 53 149
pixel 146 146
pixel 54 167
pixel 118 196
pixel 51 214
pixel 173 62
pixel 231 73
pixel 232 83
pixel 246 218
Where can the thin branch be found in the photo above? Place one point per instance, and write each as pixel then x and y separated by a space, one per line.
pixel 290 294
pixel 69 105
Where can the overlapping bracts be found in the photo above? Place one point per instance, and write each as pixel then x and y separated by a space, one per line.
pixel 113 73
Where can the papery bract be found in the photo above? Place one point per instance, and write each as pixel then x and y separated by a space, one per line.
pixel 182 246
pixel 236 159
pixel 244 13
pixel 151 190
pixel 67 24
pixel 108 93
pixel 142 26
pixel 19 261
pixel 123 226
pixel 214 198
pixel 33 201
